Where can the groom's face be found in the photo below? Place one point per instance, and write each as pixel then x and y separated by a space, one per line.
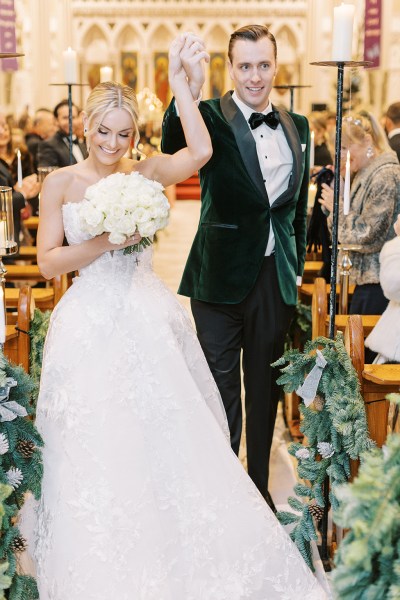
pixel 252 70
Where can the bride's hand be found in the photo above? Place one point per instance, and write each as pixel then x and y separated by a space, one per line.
pixel 131 241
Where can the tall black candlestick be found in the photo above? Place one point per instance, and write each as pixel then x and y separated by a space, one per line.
pixel 324 551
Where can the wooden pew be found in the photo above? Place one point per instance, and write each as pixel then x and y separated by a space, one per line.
pixel 376 381
pixel 28 253
pixel 31 223
pixel 311 270
pixel 17 344
pixel 320 317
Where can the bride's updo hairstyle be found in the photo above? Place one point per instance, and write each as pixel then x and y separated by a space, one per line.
pixel 108 96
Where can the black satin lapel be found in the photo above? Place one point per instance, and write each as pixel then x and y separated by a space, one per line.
pixel 245 141
pixel 293 139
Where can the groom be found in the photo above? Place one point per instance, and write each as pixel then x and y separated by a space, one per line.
pixel 250 245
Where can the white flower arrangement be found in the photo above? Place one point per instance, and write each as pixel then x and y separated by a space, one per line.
pixel 123 204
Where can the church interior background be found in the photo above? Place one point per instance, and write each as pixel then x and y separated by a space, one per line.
pixel 132 37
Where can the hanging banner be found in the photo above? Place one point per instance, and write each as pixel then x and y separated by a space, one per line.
pixel 373 32
pixel 8 41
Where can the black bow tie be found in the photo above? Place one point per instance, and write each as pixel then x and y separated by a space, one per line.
pixel 271 119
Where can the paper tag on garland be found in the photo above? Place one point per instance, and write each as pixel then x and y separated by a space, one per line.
pixel 308 390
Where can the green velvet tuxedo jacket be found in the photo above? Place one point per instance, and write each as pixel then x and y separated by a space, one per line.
pixel 229 246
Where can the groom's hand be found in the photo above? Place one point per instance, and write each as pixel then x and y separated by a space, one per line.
pixel 193 56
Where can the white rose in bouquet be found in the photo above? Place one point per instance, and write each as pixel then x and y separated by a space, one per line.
pixel 122 204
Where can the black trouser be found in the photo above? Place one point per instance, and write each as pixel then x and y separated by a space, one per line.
pixel 258 325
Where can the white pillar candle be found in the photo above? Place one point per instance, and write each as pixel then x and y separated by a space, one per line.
pixel 19 168
pixel 3 235
pixel 342 38
pixel 106 74
pixel 312 192
pixel 346 193
pixel 312 151
pixel 70 66
pixel 2 316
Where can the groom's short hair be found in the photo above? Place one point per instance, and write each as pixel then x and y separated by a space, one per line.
pixel 252 33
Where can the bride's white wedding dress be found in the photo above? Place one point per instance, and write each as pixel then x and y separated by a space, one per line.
pixel 143 498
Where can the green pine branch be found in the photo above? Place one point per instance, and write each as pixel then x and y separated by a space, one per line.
pixel 338 421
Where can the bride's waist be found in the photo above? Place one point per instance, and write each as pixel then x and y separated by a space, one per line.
pixel 115 266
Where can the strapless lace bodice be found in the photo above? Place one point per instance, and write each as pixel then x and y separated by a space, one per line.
pixel 111 265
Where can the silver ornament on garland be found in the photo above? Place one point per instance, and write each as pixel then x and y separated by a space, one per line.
pixel 14 477
pixel 325 449
pixel 4 445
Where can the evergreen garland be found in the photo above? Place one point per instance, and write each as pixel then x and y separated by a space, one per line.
pixel 368 558
pixel 37 332
pixel 335 427
pixel 20 472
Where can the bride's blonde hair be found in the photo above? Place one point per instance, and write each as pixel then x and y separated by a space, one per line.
pixel 107 96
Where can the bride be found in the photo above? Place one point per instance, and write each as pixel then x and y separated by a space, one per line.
pixel 143 498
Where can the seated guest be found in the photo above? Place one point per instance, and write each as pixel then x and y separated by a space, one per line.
pixel 374 206
pixel 43 128
pixel 385 337
pixel 392 126
pixel 322 151
pixel 8 176
pixel 54 152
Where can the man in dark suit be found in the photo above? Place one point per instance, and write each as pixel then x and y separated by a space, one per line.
pixel 54 152
pixel 249 250
pixel 43 128
pixel 392 126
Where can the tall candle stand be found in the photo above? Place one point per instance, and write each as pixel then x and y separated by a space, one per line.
pixel 340 65
pixel 8 246
pixel 70 86
pixel 291 88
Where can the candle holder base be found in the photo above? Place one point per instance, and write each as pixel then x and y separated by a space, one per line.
pixel 11 249
pixel 345 63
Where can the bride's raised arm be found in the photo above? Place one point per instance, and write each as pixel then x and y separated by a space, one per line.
pixel 169 169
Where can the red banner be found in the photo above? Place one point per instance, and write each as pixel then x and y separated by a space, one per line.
pixel 373 32
pixel 7 34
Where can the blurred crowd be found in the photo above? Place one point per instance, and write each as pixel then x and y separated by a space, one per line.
pixel 372 217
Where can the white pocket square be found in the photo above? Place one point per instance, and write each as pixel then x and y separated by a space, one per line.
pixel 303 147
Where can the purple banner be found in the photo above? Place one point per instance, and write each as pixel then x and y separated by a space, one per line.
pixel 373 32
pixel 7 34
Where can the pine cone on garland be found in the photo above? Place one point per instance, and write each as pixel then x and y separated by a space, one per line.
pixel 316 511
pixel 26 448
pixel 319 403
pixel 19 544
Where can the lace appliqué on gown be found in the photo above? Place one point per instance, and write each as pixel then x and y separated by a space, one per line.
pixel 143 498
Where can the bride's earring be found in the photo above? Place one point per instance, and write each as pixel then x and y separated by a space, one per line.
pixel 370 152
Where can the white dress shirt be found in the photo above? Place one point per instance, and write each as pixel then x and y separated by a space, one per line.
pixel 274 156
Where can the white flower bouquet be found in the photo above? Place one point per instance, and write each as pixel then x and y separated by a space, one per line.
pixel 122 204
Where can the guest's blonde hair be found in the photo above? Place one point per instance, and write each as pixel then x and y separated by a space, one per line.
pixel 358 126
pixel 108 96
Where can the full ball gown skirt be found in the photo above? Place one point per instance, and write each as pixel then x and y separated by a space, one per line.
pixel 143 498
